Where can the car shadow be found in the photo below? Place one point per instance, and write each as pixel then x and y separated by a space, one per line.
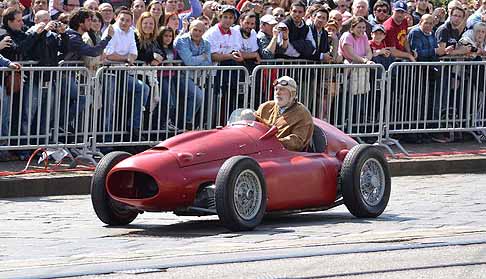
pixel 271 225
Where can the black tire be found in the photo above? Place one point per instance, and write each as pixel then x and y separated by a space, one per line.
pixel 225 188
pixel 355 200
pixel 108 210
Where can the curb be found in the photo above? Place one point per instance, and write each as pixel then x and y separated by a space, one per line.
pixel 79 183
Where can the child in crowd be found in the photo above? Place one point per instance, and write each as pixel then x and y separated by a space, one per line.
pixel 381 53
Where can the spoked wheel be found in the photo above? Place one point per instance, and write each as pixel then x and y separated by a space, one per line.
pixel 365 181
pixel 241 196
pixel 108 210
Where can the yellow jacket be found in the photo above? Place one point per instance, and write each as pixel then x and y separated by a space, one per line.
pixel 295 126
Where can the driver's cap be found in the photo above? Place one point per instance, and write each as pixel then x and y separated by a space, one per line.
pixel 289 83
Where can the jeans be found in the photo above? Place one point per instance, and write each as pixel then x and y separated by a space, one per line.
pixel 72 104
pixel 177 97
pixel 138 95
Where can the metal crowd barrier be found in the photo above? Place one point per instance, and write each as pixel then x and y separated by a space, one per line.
pixel 42 106
pixel 430 98
pixel 145 105
pixel 350 97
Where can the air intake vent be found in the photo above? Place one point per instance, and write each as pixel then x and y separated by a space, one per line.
pixel 133 185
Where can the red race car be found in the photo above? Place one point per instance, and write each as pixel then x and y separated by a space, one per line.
pixel 241 172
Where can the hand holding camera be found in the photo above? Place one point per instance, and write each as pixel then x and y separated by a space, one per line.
pixel 6 42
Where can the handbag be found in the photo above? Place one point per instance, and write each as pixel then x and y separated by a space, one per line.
pixel 13 82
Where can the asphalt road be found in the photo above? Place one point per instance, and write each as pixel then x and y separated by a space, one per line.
pixel 433 227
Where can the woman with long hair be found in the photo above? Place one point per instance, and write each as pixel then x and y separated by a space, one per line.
pixel 146 32
pixel 156 9
pixel 185 95
pixel 172 21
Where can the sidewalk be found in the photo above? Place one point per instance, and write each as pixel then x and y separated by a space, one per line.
pixel 425 159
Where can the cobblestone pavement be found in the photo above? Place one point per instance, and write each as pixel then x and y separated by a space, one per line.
pixel 47 236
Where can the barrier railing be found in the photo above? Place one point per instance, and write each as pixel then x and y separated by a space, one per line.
pixel 433 98
pixel 44 106
pixel 145 105
pixel 128 105
pixel 349 97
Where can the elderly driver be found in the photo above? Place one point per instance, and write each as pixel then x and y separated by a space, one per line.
pixel 292 119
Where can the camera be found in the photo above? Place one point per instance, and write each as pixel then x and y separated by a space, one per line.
pixel 251 5
pixel 474 49
pixel 217 8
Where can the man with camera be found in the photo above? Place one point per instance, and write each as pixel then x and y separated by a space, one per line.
pixel 268 37
pixel 301 43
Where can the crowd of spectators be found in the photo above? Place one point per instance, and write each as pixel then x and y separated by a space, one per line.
pixel 231 32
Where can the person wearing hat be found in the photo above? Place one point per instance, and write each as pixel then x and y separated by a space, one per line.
pixel 396 32
pixel 292 119
pixel 381 54
pixel 267 37
pixel 225 40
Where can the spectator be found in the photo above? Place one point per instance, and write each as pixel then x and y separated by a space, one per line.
pixel 106 11
pixel 254 6
pixel 37 5
pixel 354 45
pixel 205 20
pixel 91 5
pixel 172 6
pixel 157 11
pixel 225 40
pixel 146 34
pixel 301 43
pixel 396 32
pixel 268 38
pixel 478 16
pixel 381 12
pixel 182 87
pixel 423 41
pixel 172 21
pixel 372 4
pixel 56 7
pixel 117 3
pixel 337 18
pixel 279 14
pixel 6 103
pixel 449 33
pixel 343 9
pixel 70 5
pixel 381 54
pixel 137 8
pixel 209 10
pixel 92 38
pixel 123 48
pixel 331 28
pixel 19 43
pixel 360 8
pixel 476 40
pixel 319 21
pixel 439 17
pixel 249 43
pixel 422 7
pixel 192 48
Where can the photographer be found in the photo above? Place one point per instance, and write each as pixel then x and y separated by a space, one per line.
pixel 268 36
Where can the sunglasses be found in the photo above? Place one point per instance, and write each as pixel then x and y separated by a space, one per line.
pixel 381 11
pixel 279 15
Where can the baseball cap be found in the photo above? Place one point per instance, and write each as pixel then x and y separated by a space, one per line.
pixel 400 6
pixel 268 19
pixel 378 27
pixel 229 8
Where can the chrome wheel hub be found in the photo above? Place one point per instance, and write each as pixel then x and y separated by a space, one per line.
pixel 372 182
pixel 247 194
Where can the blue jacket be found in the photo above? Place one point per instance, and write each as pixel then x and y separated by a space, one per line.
pixel 423 44
pixel 4 62
pixel 191 54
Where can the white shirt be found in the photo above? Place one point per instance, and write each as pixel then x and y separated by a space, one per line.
pixel 223 44
pixel 251 43
pixel 122 43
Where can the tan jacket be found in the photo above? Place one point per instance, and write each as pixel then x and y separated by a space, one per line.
pixel 295 126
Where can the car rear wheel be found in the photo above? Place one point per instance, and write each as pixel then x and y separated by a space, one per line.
pixel 108 210
pixel 241 196
pixel 365 181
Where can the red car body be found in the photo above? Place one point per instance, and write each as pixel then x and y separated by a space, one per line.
pixel 178 167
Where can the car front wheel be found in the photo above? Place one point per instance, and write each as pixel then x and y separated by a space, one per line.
pixel 107 209
pixel 365 181
pixel 241 196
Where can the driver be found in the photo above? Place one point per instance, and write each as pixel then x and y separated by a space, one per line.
pixel 292 119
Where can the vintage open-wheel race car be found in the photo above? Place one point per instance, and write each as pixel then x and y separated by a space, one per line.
pixel 241 172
